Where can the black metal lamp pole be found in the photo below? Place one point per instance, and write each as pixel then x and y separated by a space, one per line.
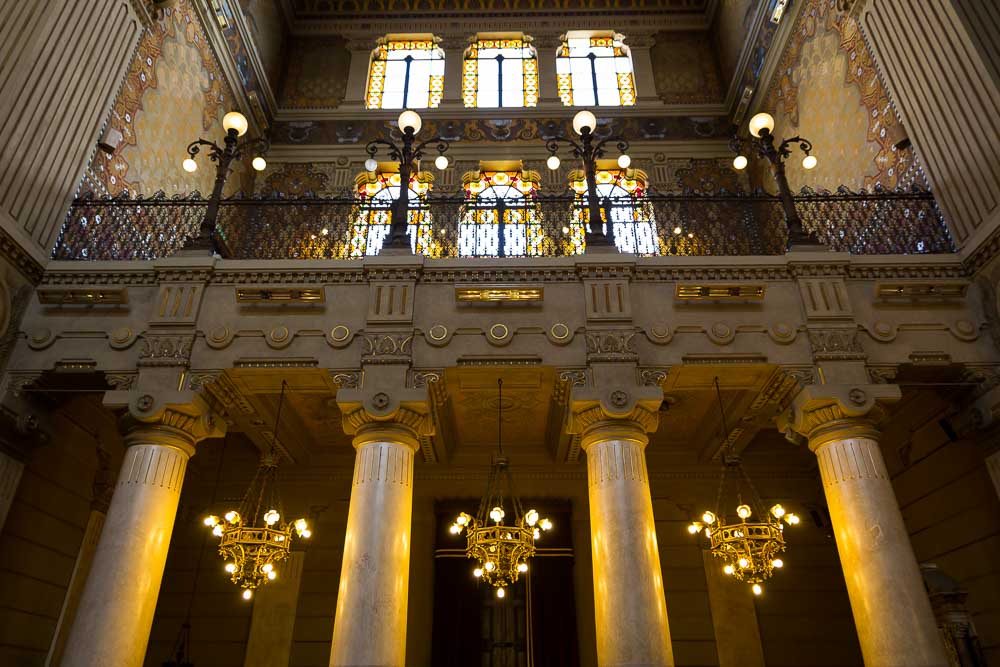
pixel 761 127
pixel 235 125
pixel 406 153
pixel 584 123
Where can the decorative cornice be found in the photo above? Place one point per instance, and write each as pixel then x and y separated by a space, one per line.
pixel 22 260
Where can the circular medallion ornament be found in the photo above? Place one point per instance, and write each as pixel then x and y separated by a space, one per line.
pixel 883 331
pixel 40 338
pixel 339 336
pixel 499 334
pixel 219 337
pixel 619 398
pixel 660 333
pixel 279 337
pixel 121 338
pixel 965 330
pixel 438 332
pixel 380 400
pixel 721 333
pixel 782 333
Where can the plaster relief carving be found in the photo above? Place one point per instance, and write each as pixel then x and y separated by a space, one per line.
pixel 721 333
pixel 420 379
pixel 660 334
pixel 965 330
pixel 121 381
pixel 220 337
pixel 882 374
pixel 279 337
pixel 499 335
pixel 121 338
pixel 40 338
pixel 611 345
pixel 198 381
pixel 387 348
pixel 883 331
pixel 347 380
pixel 165 350
pixel 438 335
pixel 835 344
pixel 559 334
pixel 652 377
pixel 339 336
pixel 782 333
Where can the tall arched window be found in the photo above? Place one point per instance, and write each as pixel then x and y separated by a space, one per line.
pixel 622 196
pixel 373 214
pixel 595 68
pixel 500 71
pixel 406 72
pixel 501 216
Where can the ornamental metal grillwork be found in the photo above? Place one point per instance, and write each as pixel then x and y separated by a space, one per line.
pixel 875 223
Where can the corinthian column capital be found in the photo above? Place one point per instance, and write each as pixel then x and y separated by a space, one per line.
pixel 375 415
pixel 616 407
pixel 820 413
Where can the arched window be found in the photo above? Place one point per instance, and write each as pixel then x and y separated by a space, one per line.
pixel 501 217
pixel 373 214
pixel 500 71
pixel 595 68
pixel 622 197
pixel 406 72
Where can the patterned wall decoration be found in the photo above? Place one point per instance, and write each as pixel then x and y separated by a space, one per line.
pixel 826 88
pixel 316 76
pixel 685 68
pixel 311 132
pixel 173 92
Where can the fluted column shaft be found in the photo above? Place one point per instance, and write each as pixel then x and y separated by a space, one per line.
pixel 115 615
pixel 370 625
pixel 630 608
pixel 894 620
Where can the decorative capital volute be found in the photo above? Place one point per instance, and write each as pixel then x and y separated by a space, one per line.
pixel 614 412
pixel 820 413
pixel 400 416
pixel 178 418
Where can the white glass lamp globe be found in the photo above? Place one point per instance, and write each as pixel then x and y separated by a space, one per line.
pixel 441 162
pixel 624 161
pixel 259 163
pixel 234 120
pixel 760 122
pixel 584 119
pixel 553 162
pixel 371 164
pixel 740 162
pixel 411 119
pixel 809 161
pixel 190 166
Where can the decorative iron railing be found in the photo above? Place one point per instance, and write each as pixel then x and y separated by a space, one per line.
pixel 878 222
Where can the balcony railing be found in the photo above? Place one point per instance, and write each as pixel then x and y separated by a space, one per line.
pixel 876 223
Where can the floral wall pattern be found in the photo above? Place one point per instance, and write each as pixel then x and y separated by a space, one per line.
pixel 826 88
pixel 173 93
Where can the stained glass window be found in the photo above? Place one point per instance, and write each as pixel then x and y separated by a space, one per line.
pixel 500 72
pixel 406 72
pixel 501 216
pixel 373 214
pixel 595 69
pixel 622 198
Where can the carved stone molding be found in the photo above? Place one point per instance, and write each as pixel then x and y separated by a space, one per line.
pixel 346 379
pixel 387 348
pixel 611 345
pixel 822 413
pixel 653 377
pixel 836 345
pixel 177 419
pixel 165 349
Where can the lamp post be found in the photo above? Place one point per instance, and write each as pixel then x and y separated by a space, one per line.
pixel 235 125
pixel 761 126
pixel 409 124
pixel 584 124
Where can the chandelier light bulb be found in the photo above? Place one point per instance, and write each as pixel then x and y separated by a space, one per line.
pixel 455 529
pixel 757 590
pixel 300 525
pixel 531 518
pixel 553 162
pixel 740 162
pixel 624 161
pixel 690 235
pixel 371 164
pixel 230 567
pixel 708 518
pixel 584 120
pixel 267 567
pixel 778 563
pixel 792 519
pixel 778 511
pixel 234 120
pixel 729 569
pixel 272 575
pixel 677 230
pixel 762 123
pixel 522 568
pixel 478 572
pixel 307 533
pixel 247 594
pixel 271 517
pixel 743 563
pixel 441 162
pixel 232 517
pixel 497 514
pixel 217 531
pixel 536 533
pixel 809 161
pixel 190 166
pixel 545 524
pixel 489 566
pixel 501 593
pixel 259 163
pixel 694 528
pixel 211 520
pixel 409 119
pixel 743 511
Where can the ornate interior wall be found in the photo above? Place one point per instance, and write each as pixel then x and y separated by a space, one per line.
pixel 826 88
pixel 174 92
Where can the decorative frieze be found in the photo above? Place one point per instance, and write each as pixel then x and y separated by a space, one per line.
pixel 836 344
pixel 611 345
pixel 165 349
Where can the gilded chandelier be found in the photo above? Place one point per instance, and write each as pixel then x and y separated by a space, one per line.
pixel 255 537
pixel 749 549
pixel 501 551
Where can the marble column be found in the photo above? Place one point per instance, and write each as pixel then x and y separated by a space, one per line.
pixel 116 609
pixel 369 628
pixel 734 617
pixel 630 608
pixel 893 615
pixel 272 623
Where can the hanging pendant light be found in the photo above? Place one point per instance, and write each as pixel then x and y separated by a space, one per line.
pixel 255 538
pixel 501 550
pixel 750 548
